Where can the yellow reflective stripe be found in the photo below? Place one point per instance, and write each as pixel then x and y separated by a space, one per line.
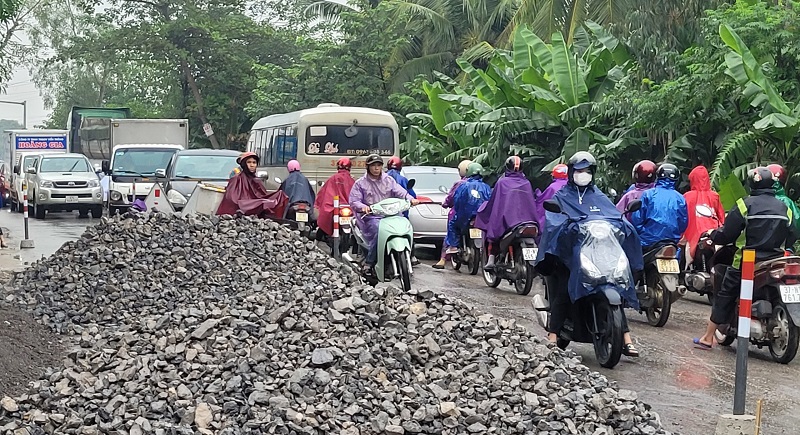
pixel 742 207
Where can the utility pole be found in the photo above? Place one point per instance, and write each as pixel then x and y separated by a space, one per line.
pixel 24 105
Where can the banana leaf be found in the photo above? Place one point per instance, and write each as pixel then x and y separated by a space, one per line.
pixel 730 190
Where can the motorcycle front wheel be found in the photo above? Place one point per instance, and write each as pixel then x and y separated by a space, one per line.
pixel 401 259
pixel 608 346
pixel 657 316
pixel 783 345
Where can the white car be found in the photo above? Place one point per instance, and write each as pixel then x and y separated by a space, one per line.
pixel 430 220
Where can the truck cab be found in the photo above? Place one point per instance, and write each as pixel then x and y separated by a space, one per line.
pixel 132 172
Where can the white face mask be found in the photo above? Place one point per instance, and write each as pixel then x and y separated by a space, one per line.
pixel 582 178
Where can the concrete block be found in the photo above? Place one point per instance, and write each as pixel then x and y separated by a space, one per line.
pixel 730 424
pixel 26 244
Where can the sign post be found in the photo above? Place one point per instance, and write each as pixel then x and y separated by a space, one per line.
pixel 336 253
pixel 743 339
pixel 27 243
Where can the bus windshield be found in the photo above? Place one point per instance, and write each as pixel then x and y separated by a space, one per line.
pixel 349 141
pixel 141 161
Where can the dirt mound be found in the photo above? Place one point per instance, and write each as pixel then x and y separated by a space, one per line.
pixel 26 349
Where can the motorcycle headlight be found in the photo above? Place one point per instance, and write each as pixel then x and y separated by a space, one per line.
pixel 94 183
pixel 589 268
pixel 176 197
pixel 116 196
pixel 45 183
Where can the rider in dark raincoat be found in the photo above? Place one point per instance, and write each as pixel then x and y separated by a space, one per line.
pixel 558 254
pixel 560 173
pixel 297 187
pixel 469 196
pixel 663 216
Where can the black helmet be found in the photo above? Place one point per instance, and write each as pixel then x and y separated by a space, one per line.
pixel 514 164
pixel 668 171
pixel 374 158
pixel 761 178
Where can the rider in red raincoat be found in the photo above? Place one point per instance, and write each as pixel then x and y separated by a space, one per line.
pixel 339 184
pixel 701 194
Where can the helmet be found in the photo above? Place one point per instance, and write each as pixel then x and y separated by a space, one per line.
pixel 644 172
pixel 374 158
pixel 344 163
pixel 514 164
pixel 582 160
pixel 761 178
pixel 394 163
pixel 245 156
pixel 560 171
pixel 293 165
pixel 462 167
pixel 668 171
pixel 474 169
pixel 779 173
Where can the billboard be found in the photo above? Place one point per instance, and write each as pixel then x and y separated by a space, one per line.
pixel 41 142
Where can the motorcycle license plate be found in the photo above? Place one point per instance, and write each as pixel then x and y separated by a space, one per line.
pixel 301 217
pixel 790 294
pixel 344 220
pixel 443 211
pixel 667 265
pixel 529 254
pixel 72 199
pixel 475 233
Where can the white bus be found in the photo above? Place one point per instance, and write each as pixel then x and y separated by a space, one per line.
pixel 319 137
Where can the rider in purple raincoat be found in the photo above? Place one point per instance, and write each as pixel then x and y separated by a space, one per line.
pixel 511 204
pixel 559 181
pixel 644 174
pixel 372 188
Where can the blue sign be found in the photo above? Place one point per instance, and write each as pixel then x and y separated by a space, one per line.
pixel 32 143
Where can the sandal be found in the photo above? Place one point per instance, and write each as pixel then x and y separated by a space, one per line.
pixel 630 350
pixel 700 345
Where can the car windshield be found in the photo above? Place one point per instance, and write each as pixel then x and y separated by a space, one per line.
pixel 430 181
pixel 207 167
pixel 64 164
pixel 141 161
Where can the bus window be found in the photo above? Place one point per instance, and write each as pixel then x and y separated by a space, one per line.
pixel 285 146
pixel 337 140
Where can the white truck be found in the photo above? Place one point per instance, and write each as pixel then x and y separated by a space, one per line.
pixel 19 149
pixel 138 148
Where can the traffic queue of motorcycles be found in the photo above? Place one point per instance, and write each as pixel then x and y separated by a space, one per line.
pixel 595 315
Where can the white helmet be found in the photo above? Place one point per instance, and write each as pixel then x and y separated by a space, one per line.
pixel 462 167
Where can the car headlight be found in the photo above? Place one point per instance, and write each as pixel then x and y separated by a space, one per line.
pixel 115 196
pixel 45 183
pixel 176 197
pixel 94 183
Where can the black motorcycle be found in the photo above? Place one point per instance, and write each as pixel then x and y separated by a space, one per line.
pixel 470 251
pixel 346 223
pixel 658 288
pixel 516 258
pixel 301 213
pixel 596 318
pixel 697 275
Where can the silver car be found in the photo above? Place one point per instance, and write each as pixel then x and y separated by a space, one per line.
pixel 430 220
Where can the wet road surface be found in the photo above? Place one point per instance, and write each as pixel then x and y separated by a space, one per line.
pixel 688 387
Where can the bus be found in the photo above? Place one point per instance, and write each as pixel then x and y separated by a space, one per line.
pixel 318 137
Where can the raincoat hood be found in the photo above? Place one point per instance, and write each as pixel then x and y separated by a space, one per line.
pixel 699 179
pixel 701 194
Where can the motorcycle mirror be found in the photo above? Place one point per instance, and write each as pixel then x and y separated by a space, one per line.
pixel 411 183
pixel 704 210
pixel 442 189
pixel 262 174
pixel 633 206
pixel 278 180
pixel 612 192
pixel 552 206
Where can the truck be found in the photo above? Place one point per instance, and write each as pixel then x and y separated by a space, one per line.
pixel 63 182
pixel 89 131
pixel 20 148
pixel 136 148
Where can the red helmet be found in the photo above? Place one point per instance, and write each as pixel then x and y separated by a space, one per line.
pixel 560 171
pixel 779 173
pixel 644 172
pixel 394 163
pixel 344 163
pixel 246 155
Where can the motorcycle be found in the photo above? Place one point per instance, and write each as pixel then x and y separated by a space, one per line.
pixel 395 236
pixel 697 276
pixel 345 232
pixel 469 253
pixel 596 318
pixel 300 213
pixel 659 288
pixel 775 311
pixel 516 258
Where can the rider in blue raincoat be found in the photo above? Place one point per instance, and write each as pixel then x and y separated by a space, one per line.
pixel 467 199
pixel 663 216
pixel 558 255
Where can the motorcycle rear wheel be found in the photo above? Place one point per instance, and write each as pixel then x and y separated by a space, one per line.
pixel 401 259
pixel 523 286
pixel 489 277
pixel 724 339
pixel 655 288
pixel 474 260
pixel 562 343
pixel 608 346
pixel 784 348
pixel 455 262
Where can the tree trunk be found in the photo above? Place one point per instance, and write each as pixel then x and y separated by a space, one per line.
pixel 198 99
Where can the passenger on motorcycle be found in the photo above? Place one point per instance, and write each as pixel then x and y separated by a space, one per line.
pixel 560 174
pixel 394 165
pixel 768 228
pixel 700 195
pixel 663 216
pixel 448 203
pixel 781 176
pixel 469 196
pixel 297 187
pixel 246 194
pixel 339 184
pixel 644 176
pixel 511 204
pixel 557 257
pixel 373 187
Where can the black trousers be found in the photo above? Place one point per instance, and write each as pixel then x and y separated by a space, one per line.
pixel 560 303
pixel 722 310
